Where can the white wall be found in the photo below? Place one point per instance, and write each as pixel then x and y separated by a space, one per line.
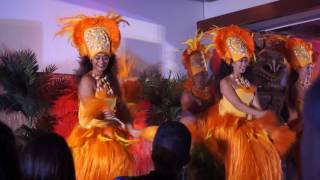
pixel 221 7
pixel 155 35
pixel 156 31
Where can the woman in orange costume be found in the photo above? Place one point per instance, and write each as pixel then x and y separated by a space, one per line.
pixel 247 139
pixel 196 99
pixel 197 95
pixel 100 143
pixel 300 57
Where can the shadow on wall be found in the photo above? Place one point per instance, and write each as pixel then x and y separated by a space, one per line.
pixel 21 34
pixel 145 54
pixel 142 54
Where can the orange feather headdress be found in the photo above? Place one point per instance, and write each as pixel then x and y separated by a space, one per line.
pixel 194 45
pixel 232 43
pixel 300 53
pixel 92 35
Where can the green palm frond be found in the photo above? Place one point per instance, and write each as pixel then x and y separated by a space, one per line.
pixel 46 122
pixel 46 75
pixel 163 93
pixel 52 88
pixel 26 89
pixel 6 103
pixel 17 75
pixel 30 105
pixel 29 64
pixel 203 165
pixel 19 71
pixel 50 69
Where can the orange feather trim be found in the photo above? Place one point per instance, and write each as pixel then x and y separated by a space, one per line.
pixel 247 147
pixel 97 156
pixel 221 35
pixel 298 62
pixel 194 45
pixel 76 26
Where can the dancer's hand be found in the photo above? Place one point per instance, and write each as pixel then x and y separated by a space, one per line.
pixel 261 114
pixel 116 122
pixel 108 114
pixel 134 132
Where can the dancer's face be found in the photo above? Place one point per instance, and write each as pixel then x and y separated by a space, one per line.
pixel 199 70
pixel 200 80
pixel 100 62
pixel 197 59
pixel 240 66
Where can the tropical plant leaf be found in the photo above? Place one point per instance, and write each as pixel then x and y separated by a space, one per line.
pixel 26 89
pixel 52 89
pixel 19 71
pixel 29 63
pixel 50 69
pixel 5 103
pixel 163 93
pixel 46 122
pixel 203 165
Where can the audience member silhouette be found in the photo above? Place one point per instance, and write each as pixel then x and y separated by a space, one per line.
pixel 9 164
pixel 47 157
pixel 170 153
pixel 310 144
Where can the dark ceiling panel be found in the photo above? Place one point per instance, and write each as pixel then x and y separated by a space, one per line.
pixel 261 13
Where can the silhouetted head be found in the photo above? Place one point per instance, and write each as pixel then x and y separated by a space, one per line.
pixel 47 157
pixel 311 115
pixel 171 147
pixel 9 165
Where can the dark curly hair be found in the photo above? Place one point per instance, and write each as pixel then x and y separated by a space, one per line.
pixel 111 71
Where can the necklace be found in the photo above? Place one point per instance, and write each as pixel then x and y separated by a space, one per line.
pixel 103 83
pixel 241 81
pixel 304 84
